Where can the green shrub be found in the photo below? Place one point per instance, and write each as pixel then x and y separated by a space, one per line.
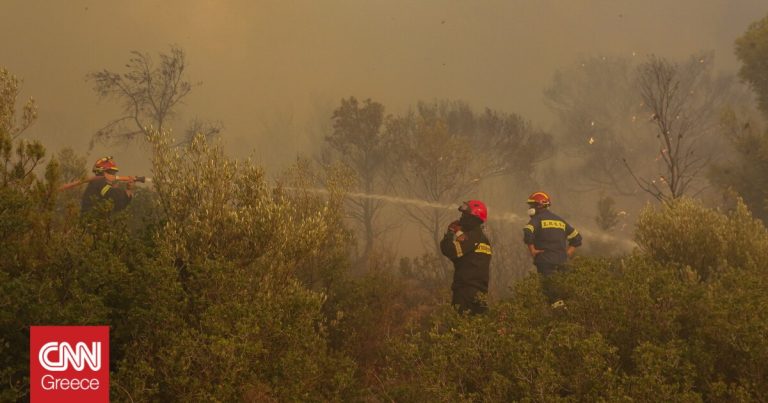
pixel 518 352
pixel 684 233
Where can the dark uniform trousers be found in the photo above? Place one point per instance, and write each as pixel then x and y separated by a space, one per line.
pixel 470 253
pixel 552 235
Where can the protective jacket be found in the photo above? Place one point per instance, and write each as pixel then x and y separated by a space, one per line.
pixel 470 253
pixel 550 233
pixel 101 189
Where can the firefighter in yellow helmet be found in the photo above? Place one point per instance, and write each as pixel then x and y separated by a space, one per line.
pixel 550 240
pixel 104 186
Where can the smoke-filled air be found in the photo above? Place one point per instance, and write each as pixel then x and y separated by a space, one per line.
pixel 384 201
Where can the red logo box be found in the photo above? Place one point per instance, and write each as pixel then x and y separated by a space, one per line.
pixel 69 364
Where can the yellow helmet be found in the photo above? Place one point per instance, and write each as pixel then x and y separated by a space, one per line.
pixel 539 200
pixel 105 164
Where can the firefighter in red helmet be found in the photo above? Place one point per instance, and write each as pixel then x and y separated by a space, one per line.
pixel 468 248
pixel 104 186
pixel 550 239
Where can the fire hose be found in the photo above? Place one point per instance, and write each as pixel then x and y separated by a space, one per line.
pixel 117 178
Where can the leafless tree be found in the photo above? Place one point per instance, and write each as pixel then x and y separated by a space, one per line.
pixel 205 128
pixel 598 111
pixel 149 94
pixel 683 105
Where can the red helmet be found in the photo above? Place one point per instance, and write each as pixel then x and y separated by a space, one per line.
pixel 103 165
pixel 539 199
pixel 475 208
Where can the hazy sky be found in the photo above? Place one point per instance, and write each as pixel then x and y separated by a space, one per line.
pixel 261 58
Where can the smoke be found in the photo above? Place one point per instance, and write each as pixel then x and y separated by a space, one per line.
pixel 506 217
pixel 256 58
pixel 387 198
pixel 272 72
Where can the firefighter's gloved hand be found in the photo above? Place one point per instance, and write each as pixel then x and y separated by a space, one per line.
pixel 110 178
pixel 454 227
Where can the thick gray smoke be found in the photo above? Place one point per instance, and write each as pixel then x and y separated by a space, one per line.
pixel 278 68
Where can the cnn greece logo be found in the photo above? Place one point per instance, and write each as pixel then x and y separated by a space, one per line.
pixel 69 363
pixel 77 357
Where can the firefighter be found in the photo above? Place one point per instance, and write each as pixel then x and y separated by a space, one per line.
pixel 551 241
pixel 104 186
pixel 468 248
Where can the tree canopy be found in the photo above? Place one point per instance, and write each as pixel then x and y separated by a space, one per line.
pixel 752 50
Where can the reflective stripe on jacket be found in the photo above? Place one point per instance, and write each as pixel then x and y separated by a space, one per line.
pixel 548 232
pixel 471 256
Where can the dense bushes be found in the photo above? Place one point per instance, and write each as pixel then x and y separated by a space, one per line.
pixel 630 331
pixel 249 265
pixel 215 293
pixel 686 234
pixel 221 287
pixel 682 319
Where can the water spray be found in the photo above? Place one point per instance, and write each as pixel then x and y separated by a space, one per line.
pixel 508 217
pixel 391 199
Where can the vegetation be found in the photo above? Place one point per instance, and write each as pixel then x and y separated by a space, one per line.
pixel 363 147
pixel 607 217
pixel 752 50
pixel 232 289
pixel 745 172
pixel 221 285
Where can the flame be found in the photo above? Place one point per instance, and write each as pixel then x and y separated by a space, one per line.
pixel 591 140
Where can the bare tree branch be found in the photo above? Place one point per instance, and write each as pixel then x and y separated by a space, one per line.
pixel 680 118
pixel 149 95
